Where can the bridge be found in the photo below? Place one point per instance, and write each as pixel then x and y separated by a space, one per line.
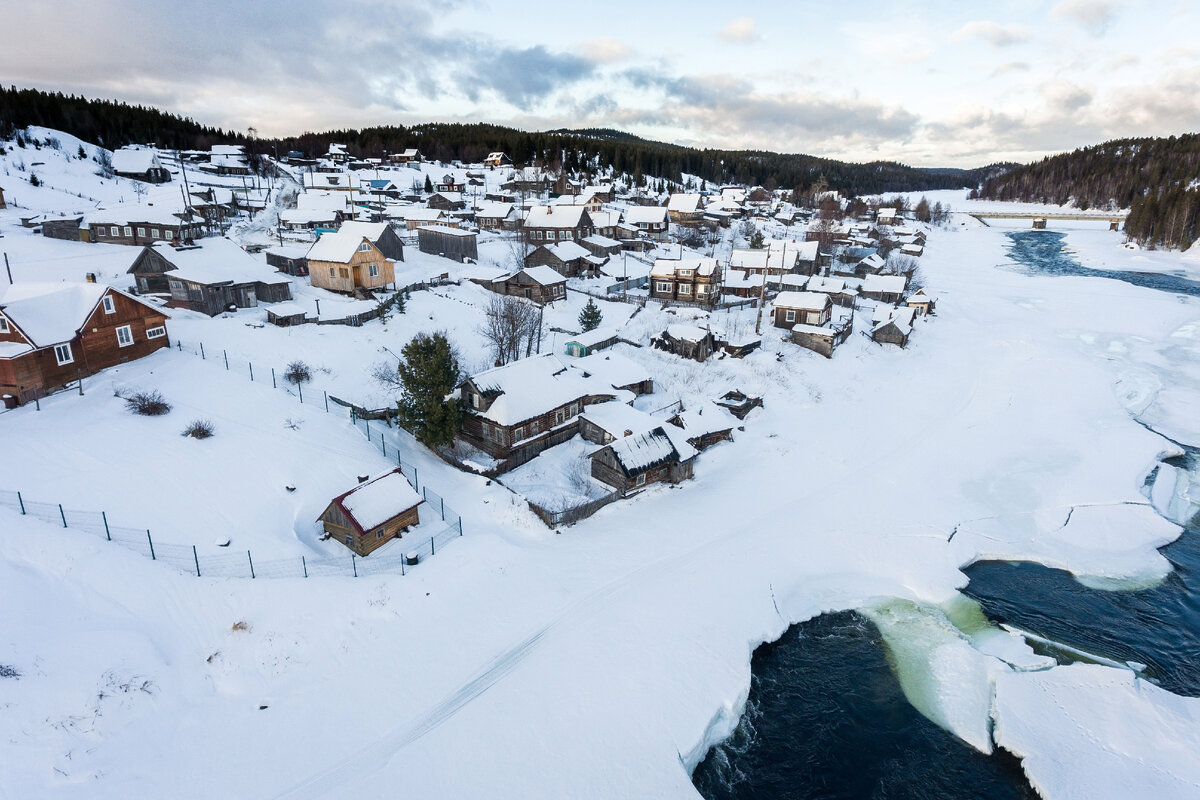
pixel 1114 219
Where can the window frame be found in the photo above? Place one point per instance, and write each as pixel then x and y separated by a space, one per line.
pixel 373 270
pixel 114 230
pixel 789 315
pixel 107 303
pixel 4 327
pixel 128 230
pixel 156 332
pixel 59 350
pixel 141 232
pixel 640 480
pixel 100 232
pixel 128 332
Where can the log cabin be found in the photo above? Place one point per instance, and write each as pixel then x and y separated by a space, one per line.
pixel 885 288
pixel 641 459
pixel 690 280
pixel 566 258
pixel 685 209
pixel 373 513
pixel 921 302
pixel 549 224
pixel 892 325
pixel 801 308
pixel 140 225
pixel 539 285
pixel 453 243
pixel 648 222
pixel 347 263
pixel 139 163
pixel 52 334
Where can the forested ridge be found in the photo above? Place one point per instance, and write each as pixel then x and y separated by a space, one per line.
pixel 1157 179
pixel 113 124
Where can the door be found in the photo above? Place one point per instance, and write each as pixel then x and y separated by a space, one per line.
pixel 251 298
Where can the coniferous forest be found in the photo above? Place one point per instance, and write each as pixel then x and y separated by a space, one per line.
pixel 1158 180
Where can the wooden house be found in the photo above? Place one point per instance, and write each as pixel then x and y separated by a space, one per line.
pixel 416 217
pixel 602 247
pixel 615 370
pixel 140 225
pixel 640 459
pixel 689 280
pixel 519 409
pixel 686 209
pixel 65 227
pixel 686 341
pixel 604 423
pixel 566 258
pixel 738 403
pixel 548 224
pixel 52 334
pixel 139 163
pixel 892 325
pixel 409 156
pixel 373 513
pixel 706 426
pixel 885 288
pixel 453 243
pixel 347 263
pixel 801 308
pixel 921 302
pixel 216 277
pixel 841 293
pixel 379 234
pixel 593 341
pixel 290 259
pixel 447 200
pixel 647 222
pixel 539 284
pixel 494 216
pixel 494 160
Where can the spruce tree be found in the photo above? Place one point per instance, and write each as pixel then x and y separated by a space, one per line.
pixel 429 372
pixel 428 185
pixel 590 318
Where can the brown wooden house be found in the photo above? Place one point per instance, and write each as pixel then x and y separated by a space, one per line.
pixel 347 262
pixel 801 308
pixel 640 459
pixel 140 225
pixel 52 334
pixel 539 284
pixel 549 224
pixel 373 513
pixel 690 280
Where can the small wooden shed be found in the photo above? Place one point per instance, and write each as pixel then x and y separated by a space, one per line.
pixel 452 243
pixel 373 513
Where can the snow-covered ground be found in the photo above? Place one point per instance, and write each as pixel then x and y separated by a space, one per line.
pixel 604 660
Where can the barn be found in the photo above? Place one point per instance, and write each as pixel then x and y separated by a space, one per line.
pixel 373 513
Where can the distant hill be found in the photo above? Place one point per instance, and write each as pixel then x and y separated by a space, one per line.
pixel 1156 179
pixel 586 150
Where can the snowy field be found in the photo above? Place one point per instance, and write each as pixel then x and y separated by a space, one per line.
pixel 601 661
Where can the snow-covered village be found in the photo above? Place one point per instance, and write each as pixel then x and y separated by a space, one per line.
pixel 599 449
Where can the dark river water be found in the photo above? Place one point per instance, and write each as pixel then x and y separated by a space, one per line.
pixel 826 717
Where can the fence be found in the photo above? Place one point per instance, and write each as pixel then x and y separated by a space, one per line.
pixel 567 516
pixel 189 559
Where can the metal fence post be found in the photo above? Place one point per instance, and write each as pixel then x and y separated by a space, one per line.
pixel 104 517
pixel 442 503
pixel 300 389
pixel 273 386
pixel 432 548
pixel 415 482
pixel 383 442
pixel 304 564
pixel 326 400
pixel 226 354
pixel 354 565
pixel 62 514
pixel 21 502
pixel 251 372
pixel 151 541
pixel 197 558
pixel 251 560
pixel 202 350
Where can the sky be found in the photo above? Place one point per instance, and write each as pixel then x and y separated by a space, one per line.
pixel 930 84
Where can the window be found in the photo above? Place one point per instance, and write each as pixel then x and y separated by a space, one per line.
pixel 379 534
pixel 364 248
pixel 154 233
pixel 662 286
pixel 156 333
pixel 100 232
pixel 124 336
pixel 374 270
pixel 641 479
pixel 114 231
pixel 685 288
pixel 345 273
pixel 349 541
pixel 560 417
pixel 3 325
pixel 109 307
pixel 168 235
pixel 789 316
pixel 574 409
pixel 332 272
pixel 62 354
pixel 518 434
pixel 128 231
pixel 534 428
pixel 141 232
pixel 476 401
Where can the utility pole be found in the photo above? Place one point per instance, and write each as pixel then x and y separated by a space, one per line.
pixel 762 295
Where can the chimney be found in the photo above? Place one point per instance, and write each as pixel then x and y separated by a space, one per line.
pixel 90 277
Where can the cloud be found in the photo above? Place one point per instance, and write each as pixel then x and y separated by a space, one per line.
pixel 1010 67
pixel 1094 15
pixel 994 33
pixel 605 50
pixel 740 30
pixel 525 76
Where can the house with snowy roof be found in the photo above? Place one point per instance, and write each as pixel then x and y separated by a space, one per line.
pixel 52 334
pixel 215 277
pixel 497 159
pixel 139 163
pixel 892 325
pixel 921 302
pixel 567 258
pixel 539 284
pixel 604 423
pixel 801 308
pixel 705 426
pixel 695 280
pixel 348 262
pixel 603 247
pixel 632 462
pixel 140 224
pixel 407 156
pixel 373 513
pixel 647 222
pixel 885 288
pixel 379 234
pixel 553 223
pixel 493 216
pixel 686 341
pixel 615 370
pixel 686 209
pixel 519 409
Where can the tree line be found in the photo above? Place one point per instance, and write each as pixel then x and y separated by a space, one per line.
pixel 1155 178
pixel 583 152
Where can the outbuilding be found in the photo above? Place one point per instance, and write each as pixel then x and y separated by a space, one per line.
pixel 373 513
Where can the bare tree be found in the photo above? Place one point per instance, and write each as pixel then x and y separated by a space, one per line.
pixel 139 189
pixel 511 325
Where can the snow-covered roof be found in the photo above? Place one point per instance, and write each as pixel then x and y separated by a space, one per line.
pixel 669 267
pixel 543 275
pixel 445 229
pixel 616 418
pixel 884 315
pixel 593 337
pixel 126 213
pixel 134 159
pixel 306 216
pixel 817 283
pixel 760 258
pixel 920 296
pixel 687 333
pixel 602 241
pixel 804 301
pixel 216 261
pixel 50 313
pixel 645 215
pixel 886 284
pixel 873 262
pixel 613 368
pixel 568 251
pixel 605 219
pixel 555 216
pixel 369 230
pixel 373 503
pixel 640 451
pixel 684 203
pixel 338 247
pixel 419 213
pixel 531 387
pixel 737 279
pixel 912 249
pixel 493 209
pixel 704 420
pixel 326 201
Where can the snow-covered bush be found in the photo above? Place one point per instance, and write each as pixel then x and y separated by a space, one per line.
pixel 199 429
pixel 298 372
pixel 148 404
